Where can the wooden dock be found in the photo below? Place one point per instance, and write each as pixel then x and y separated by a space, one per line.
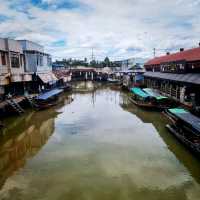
pixel 15 103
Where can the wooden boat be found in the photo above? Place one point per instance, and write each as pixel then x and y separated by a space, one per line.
pixel 48 99
pixel 146 98
pixel 185 127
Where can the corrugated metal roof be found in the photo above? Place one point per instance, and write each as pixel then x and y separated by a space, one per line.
pixel 49 94
pixel 188 55
pixel 184 78
pixel 47 77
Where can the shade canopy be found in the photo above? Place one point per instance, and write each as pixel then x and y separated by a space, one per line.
pixel 154 93
pixel 191 120
pixel 48 77
pixel 49 94
pixel 139 92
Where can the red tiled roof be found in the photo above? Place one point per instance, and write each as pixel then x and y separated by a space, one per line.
pixel 188 55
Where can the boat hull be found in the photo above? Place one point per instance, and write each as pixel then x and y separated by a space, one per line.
pixel 148 105
pixel 191 146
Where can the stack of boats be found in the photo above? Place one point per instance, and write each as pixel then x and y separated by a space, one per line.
pixel 183 124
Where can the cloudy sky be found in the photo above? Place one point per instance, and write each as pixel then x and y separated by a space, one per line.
pixel 115 28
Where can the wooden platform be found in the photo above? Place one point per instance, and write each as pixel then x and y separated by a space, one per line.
pixel 17 99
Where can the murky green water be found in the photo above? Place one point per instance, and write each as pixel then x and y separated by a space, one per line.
pixel 97 147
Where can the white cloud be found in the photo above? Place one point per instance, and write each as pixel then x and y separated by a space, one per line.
pixel 112 27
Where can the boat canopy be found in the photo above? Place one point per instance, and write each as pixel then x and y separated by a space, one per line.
pixel 49 94
pixel 139 92
pixel 155 94
pixel 188 118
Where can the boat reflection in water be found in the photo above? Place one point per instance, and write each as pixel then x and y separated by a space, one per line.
pixel 102 147
pixel 24 137
pixel 189 160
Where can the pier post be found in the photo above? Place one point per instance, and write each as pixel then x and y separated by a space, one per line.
pixel 92 76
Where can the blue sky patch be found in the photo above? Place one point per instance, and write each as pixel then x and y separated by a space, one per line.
pixel 59 43
pixel 3 18
pixel 62 4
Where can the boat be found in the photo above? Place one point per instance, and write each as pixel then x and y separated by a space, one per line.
pixel 185 127
pixel 161 101
pixel 48 99
pixel 148 98
pixel 140 98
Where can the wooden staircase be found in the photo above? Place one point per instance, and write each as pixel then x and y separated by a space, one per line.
pixel 15 106
pixel 31 102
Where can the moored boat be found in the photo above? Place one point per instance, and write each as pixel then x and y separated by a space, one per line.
pixel 186 127
pixel 48 99
pixel 140 98
pixel 149 98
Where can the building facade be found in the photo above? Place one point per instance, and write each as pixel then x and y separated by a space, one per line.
pixel 36 59
pixel 12 64
pixel 39 64
pixel 24 67
pixel 176 75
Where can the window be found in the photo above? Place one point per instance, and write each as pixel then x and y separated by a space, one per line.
pixel 21 60
pixel 3 58
pixel 15 60
pixel 41 60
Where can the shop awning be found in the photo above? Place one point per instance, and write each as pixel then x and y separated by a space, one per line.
pixel 48 77
pixel 192 78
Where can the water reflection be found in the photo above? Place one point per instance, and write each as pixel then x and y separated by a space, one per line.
pixel 23 137
pixel 159 122
pixel 101 147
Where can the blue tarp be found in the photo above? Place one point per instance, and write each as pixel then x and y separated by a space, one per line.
pixel 49 94
pixel 139 92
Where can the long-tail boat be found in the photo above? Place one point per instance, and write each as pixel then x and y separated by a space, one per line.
pixel 48 99
pixel 186 127
pixel 149 98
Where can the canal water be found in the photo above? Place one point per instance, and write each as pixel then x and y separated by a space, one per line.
pixel 94 145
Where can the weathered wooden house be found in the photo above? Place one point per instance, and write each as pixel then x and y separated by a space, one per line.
pixel 176 75
pixel 12 75
pixel 38 63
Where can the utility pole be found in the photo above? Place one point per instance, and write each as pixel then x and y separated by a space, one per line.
pixel 154 52
pixel 92 54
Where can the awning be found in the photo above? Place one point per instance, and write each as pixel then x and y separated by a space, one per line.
pixel 16 78
pixel 27 77
pixel 48 77
pixel 49 94
pixel 4 80
pixel 192 78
